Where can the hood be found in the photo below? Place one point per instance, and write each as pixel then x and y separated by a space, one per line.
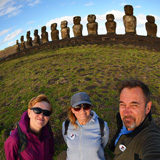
pixel 24 122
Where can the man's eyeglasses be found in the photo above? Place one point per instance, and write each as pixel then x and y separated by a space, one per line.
pixel 38 110
pixel 85 107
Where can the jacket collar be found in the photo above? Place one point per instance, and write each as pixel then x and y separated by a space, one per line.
pixel 147 120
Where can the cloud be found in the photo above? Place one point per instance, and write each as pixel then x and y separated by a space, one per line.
pixel 30 22
pixel 123 4
pixel 89 4
pixel 33 2
pixel 118 15
pixel 69 19
pixel 5 31
pixel 12 35
pixel 137 6
pixel 11 43
pixel 10 8
pixel 3 3
pixel 141 19
pixel 101 19
pixel 13 7
pixel 156 17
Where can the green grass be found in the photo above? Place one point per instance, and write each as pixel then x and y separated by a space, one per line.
pixel 95 69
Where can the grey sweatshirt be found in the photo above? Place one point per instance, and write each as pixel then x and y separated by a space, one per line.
pixel 85 142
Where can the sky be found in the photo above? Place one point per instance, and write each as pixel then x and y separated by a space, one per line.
pixel 19 16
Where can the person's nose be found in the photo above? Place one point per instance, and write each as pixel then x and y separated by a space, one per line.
pixel 127 110
pixel 41 114
pixel 82 109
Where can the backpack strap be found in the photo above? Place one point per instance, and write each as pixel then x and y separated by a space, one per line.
pixel 22 140
pixel 66 126
pixel 101 124
pixel 50 130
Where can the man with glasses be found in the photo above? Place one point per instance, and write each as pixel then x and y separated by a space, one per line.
pixel 137 137
pixel 83 136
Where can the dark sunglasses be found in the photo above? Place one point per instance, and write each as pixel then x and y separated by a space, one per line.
pixel 38 110
pixel 85 107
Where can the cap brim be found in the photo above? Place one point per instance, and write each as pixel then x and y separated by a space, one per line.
pixel 81 102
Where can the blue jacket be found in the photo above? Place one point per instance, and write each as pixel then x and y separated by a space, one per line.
pixel 85 142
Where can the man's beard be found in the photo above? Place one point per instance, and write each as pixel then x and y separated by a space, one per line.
pixel 126 123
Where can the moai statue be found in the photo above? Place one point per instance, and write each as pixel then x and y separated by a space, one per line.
pixel 29 40
pixel 17 46
pixel 23 46
pixel 36 38
pixel 77 27
pixel 110 24
pixel 54 32
pixel 92 26
pixel 129 20
pixel 65 31
pixel 151 27
pixel 44 34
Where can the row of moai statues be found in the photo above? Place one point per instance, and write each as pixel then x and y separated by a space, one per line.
pixel 129 20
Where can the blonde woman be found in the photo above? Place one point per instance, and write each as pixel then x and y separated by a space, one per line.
pixel 34 124
pixel 83 136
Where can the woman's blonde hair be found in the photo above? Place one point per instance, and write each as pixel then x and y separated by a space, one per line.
pixel 39 98
pixel 72 117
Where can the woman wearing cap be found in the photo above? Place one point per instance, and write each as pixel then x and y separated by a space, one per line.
pixel 83 136
pixel 34 124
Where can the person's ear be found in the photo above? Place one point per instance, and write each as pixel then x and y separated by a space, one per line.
pixel 72 110
pixel 148 107
pixel 29 112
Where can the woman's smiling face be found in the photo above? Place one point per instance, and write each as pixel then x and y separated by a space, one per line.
pixel 37 121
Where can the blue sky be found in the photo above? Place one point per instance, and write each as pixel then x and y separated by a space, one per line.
pixel 19 16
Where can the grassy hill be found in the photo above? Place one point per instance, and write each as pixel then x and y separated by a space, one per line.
pixel 59 73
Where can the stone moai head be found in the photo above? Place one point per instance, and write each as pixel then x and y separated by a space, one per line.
pixel 36 37
pixel 64 24
pixel 91 18
pixel 128 10
pixel 43 29
pixel 28 34
pixel 151 27
pixel 53 26
pixel 29 39
pixel 36 32
pixel 77 27
pixel 17 46
pixel 76 20
pixel 110 24
pixel 22 38
pixel 22 43
pixel 65 30
pixel 110 17
pixel 44 34
pixel 150 19
pixel 54 32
